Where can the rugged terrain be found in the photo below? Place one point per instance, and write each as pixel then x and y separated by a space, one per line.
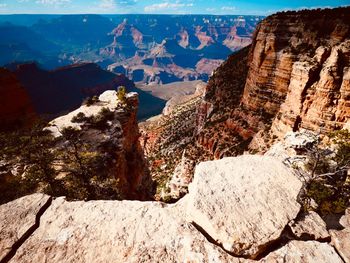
pixel 146 48
pixel 297 77
pixel 293 79
pixel 294 75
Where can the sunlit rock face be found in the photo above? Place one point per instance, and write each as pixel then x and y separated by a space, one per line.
pixel 297 76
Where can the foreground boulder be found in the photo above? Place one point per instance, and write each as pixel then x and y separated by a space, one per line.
pixel 248 207
pixel 236 211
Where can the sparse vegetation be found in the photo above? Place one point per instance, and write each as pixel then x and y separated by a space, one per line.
pixel 329 185
pixel 33 160
pixel 100 121
pixel 79 118
pixel 91 100
pixel 121 94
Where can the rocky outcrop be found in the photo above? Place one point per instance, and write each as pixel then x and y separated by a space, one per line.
pixel 216 220
pixel 120 137
pixel 297 77
pixel 16 109
pixel 108 231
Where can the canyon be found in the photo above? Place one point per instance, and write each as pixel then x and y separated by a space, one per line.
pixel 292 77
pixel 228 159
pixel 146 48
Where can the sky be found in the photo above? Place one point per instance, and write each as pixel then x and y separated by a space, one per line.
pixel 217 7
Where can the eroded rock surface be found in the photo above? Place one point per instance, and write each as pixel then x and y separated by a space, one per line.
pixel 120 136
pixel 248 207
pixel 296 76
pixel 18 218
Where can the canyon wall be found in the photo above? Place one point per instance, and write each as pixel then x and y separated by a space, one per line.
pixel 297 77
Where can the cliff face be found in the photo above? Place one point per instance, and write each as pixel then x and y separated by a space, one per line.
pixel 297 77
pixel 16 108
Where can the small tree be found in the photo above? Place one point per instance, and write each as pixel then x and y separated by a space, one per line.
pixel 34 150
pixel 121 94
pixel 329 185
pixel 91 100
pixel 79 118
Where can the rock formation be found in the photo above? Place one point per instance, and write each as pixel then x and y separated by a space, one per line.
pixel 297 77
pixel 121 136
pixel 216 222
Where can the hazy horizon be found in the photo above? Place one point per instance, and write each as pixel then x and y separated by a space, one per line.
pixel 159 7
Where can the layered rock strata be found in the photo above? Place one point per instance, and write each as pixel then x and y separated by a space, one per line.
pixel 297 77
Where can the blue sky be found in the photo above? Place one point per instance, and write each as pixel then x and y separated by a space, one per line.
pixel 255 7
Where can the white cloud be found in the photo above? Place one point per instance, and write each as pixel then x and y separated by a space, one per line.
pixel 166 6
pixel 52 2
pixel 107 4
pixel 3 5
pixel 228 8
pixel 210 9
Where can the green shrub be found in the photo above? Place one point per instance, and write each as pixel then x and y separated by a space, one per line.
pixel 100 120
pixel 91 100
pixel 79 118
pixel 121 94
pixel 329 186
